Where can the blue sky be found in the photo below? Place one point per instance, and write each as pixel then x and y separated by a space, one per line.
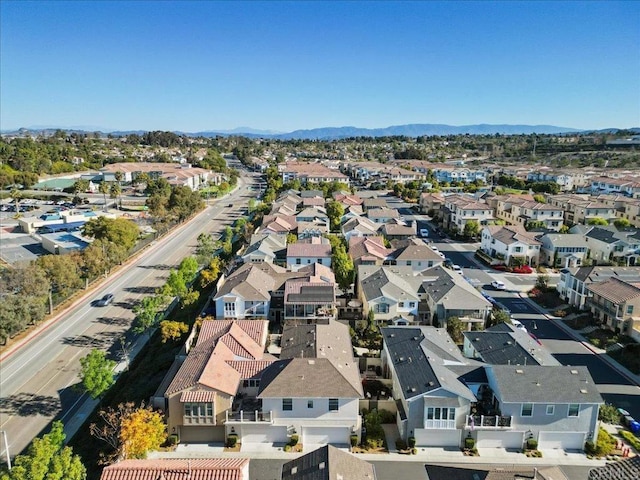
pixel 283 66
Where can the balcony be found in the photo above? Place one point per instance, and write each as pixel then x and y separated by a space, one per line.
pixel 487 422
pixel 205 420
pixel 242 416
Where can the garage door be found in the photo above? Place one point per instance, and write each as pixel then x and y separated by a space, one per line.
pixel 437 438
pixel 262 434
pixel 563 440
pixel 201 434
pixel 324 435
pixel 501 439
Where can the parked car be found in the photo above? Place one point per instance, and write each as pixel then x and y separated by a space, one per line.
pixel 518 324
pixel 523 269
pixel 498 285
pixel 424 232
pixel 106 300
pixel 448 263
pixel 457 268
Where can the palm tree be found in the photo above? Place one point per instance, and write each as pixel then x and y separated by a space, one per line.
pixel 114 191
pixel 17 196
pixel 104 189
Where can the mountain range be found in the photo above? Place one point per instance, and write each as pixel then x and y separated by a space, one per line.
pixel 333 133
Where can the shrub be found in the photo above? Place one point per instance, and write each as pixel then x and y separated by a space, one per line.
pixel 173 439
pixel 232 441
pixel 294 440
pixel 414 451
pixel 589 447
pixel 374 442
pixel 469 443
pixel 401 444
pixel 560 313
pixel 609 414
pixel 631 439
pixel 532 444
pixel 287 448
pixel 411 442
pixel 354 440
pixel 605 444
pixel 387 417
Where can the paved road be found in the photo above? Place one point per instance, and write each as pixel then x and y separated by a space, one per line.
pixel 37 379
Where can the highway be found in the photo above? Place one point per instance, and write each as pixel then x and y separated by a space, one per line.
pixel 37 378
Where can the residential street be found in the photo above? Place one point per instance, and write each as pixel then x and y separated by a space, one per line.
pixel 38 377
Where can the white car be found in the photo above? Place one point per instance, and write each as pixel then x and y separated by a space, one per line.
pixel 457 268
pixel 434 248
pixel 498 285
pixel 424 232
pixel 518 324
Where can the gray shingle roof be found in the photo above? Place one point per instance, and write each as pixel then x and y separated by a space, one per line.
pixel 328 463
pixel 310 378
pixel 542 384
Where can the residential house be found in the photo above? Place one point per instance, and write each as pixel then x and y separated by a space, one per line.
pixel 178 469
pixel 573 282
pixel 629 186
pixel 580 209
pixel 359 227
pixel 308 172
pixel 246 293
pixel 313 202
pixel 608 244
pixel 391 293
pixel 446 294
pixel 382 215
pixel 311 296
pixel 504 344
pixel 566 180
pixel 368 250
pixel 563 250
pixel 200 389
pixel 328 462
pixel 431 202
pixel 539 214
pixel 503 206
pixel 373 203
pixel 279 224
pixel 398 230
pixel 312 222
pixel 347 199
pixel 624 469
pixel 615 303
pixel 308 251
pixel 443 397
pixel 458 210
pixel 265 247
pixel 417 255
pixel 176 174
pixel 511 244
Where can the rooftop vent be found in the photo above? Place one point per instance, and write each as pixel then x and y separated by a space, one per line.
pixel 321 465
pixel 311 362
pixel 583 390
pixel 574 372
pixel 519 371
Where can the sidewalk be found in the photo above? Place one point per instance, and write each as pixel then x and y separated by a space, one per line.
pixel 498 456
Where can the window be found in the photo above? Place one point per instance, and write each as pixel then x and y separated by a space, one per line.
pixel 298 261
pixel 198 412
pixel 287 404
pixel 527 410
pixel 229 308
pixel 333 404
pixel 551 409
pixel 408 263
pixel 412 304
pixel 518 249
pixel 381 308
pixel 574 409
pixel 310 404
pixel 629 309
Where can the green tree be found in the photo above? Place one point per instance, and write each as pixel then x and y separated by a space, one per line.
pixel 621 223
pixel 540 198
pixel 47 459
pixel 455 327
pixel 120 231
pixel 542 282
pixel 103 188
pixel 205 248
pixel 146 312
pixel 63 271
pixel 471 229
pixel 335 211
pixel 500 316
pixel 211 273
pixel 597 221
pixel 96 373
pixel 343 268
pixel 564 229
pixel 188 269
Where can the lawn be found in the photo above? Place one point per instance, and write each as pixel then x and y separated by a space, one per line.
pixel 629 357
pixel 580 322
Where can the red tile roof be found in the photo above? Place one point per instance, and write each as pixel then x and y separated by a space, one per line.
pixel 179 469
pixel 198 396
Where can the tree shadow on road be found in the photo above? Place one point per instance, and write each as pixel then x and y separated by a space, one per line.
pixel 156 267
pixel 115 321
pixel 100 341
pixel 26 404
pixel 143 290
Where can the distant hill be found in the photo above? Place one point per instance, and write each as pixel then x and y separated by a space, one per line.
pixel 333 133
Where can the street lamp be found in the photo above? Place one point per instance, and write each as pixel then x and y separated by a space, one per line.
pixel 6 448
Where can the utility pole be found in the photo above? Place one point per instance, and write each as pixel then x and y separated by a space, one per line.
pixel 6 448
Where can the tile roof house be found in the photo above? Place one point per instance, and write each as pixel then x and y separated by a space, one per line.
pixel 573 282
pixel 625 469
pixel 312 390
pixel 417 255
pixel 609 244
pixel 443 397
pixel 279 224
pixel 312 222
pixel 328 463
pixel 368 250
pixel 179 469
pixel 308 251
pixel 398 229
pixel 382 215
pixel 199 391
pixel 615 303
pixel 458 210
pixel 506 243
pixel 310 172
pixel 311 295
